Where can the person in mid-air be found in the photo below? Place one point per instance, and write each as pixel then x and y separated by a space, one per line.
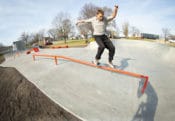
pixel 99 24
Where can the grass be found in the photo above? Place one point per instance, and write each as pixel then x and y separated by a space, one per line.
pixel 157 40
pixel 171 44
pixel 71 43
pixel 165 43
pixel 82 43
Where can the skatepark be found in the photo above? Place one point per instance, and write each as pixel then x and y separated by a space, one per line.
pixel 94 94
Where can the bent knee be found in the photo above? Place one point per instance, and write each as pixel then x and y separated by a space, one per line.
pixel 101 47
pixel 112 48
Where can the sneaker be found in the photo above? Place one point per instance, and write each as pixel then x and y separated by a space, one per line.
pixel 96 62
pixel 110 64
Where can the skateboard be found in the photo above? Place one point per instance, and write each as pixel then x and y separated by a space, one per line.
pixel 102 65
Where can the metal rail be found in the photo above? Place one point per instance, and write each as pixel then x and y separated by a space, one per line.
pixel 56 57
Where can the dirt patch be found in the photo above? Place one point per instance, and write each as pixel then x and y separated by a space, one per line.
pixel 2 59
pixel 20 100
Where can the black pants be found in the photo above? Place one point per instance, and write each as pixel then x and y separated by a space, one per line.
pixel 104 42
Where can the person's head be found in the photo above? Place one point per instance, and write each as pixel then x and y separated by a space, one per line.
pixel 100 14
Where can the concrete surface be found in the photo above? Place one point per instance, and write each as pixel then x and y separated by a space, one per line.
pixel 98 95
pixel 20 100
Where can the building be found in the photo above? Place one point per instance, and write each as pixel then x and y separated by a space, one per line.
pixel 149 36
pixel 19 45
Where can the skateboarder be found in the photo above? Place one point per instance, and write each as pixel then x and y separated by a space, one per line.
pixel 99 24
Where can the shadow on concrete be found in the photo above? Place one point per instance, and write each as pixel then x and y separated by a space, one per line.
pixel 146 110
pixel 124 63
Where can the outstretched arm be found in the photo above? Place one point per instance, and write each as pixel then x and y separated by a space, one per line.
pixel 114 14
pixel 84 21
pixel 80 21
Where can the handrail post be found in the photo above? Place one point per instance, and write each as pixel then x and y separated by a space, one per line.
pixel 56 61
pixel 56 57
pixel 145 84
pixel 34 57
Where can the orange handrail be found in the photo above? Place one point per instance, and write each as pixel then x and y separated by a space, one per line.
pixel 101 67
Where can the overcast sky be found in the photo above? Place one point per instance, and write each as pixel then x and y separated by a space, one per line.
pixel 17 16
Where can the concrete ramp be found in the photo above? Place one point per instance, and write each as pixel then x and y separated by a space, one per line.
pixel 98 95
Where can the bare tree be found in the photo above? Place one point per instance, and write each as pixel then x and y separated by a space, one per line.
pixel 37 38
pixel 1 45
pixel 41 36
pixel 107 11
pixel 117 31
pixel 125 28
pixel 88 10
pixel 63 25
pixel 53 33
pixel 31 38
pixel 172 37
pixel 24 37
pixel 135 31
pixel 166 33
pixel 112 27
pixel 83 30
